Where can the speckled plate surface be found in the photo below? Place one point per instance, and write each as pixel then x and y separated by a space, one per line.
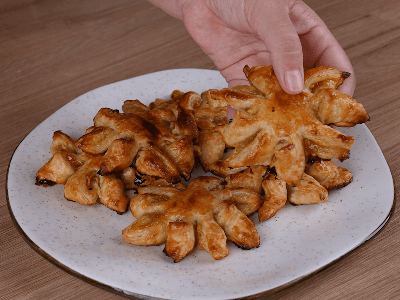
pixel 86 241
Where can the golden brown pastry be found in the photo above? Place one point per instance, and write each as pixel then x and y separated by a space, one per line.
pixel 272 128
pixel 278 148
pixel 157 140
pixel 78 170
pixel 207 111
pixel 262 180
pixel 328 174
pixel 320 176
pixel 205 214
pixel 249 178
pixel 276 195
pixel 308 191
pixel 132 179
pixel 277 192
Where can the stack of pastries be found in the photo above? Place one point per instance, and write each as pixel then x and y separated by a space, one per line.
pixel 278 148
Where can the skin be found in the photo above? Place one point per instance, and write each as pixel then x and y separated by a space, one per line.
pixel 286 34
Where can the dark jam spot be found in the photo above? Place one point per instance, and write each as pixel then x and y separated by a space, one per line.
pixel 346 74
pixel 138 180
pixel 243 247
pixel 313 159
pixel 44 182
pixel 271 171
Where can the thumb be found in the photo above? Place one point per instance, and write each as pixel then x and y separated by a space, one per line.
pixel 274 27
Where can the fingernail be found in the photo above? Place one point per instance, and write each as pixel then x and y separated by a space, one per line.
pixel 294 81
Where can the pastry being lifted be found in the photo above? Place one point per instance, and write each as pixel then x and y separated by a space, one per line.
pixel 275 129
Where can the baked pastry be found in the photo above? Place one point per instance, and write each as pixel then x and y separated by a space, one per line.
pixel 206 214
pixel 263 180
pixel 78 171
pixel 157 140
pixel 133 179
pixel 319 177
pixel 278 147
pixel 273 128
pixel 207 111
pixel 328 174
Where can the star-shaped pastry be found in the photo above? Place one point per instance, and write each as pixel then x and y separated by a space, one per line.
pixel 157 140
pixel 78 171
pixel 273 128
pixel 206 214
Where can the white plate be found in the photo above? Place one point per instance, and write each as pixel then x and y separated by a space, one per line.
pixel 86 241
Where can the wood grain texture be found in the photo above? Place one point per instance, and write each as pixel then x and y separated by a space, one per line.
pixel 53 51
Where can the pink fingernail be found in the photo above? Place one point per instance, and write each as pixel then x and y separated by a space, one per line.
pixel 294 81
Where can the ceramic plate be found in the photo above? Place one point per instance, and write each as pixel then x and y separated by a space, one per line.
pixel 86 241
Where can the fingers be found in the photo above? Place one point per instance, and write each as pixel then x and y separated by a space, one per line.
pixel 336 57
pixel 282 40
pixel 295 36
pixel 285 33
pixel 320 48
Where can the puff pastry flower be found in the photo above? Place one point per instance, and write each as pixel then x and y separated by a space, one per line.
pixel 273 128
pixel 78 171
pixel 157 140
pixel 205 214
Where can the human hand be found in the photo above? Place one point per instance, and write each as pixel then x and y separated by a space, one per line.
pixel 286 34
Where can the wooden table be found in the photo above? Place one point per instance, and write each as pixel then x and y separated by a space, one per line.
pixel 53 51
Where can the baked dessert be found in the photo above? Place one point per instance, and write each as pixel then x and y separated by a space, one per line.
pixel 78 171
pixel 278 148
pixel 319 177
pixel 328 174
pixel 157 140
pixel 273 128
pixel 206 214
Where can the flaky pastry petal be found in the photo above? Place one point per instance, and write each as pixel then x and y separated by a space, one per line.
pixel 308 191
pixel 328 174
pixel 181 240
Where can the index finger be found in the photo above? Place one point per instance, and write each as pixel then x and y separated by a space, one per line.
pixel 320 48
